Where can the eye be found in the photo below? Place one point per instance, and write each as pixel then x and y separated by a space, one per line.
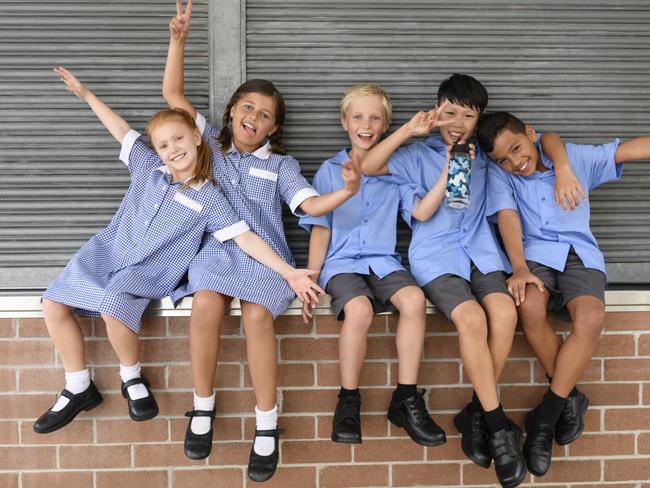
pixel 266 115
pixel 162 146
pixel 376 118
pixel 449 112
pixel 179 138
pixel 515 149
pixel 247 107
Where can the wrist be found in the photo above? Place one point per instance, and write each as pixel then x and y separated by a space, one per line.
pixel 520 268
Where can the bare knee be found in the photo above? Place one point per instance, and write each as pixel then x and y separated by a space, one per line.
pixel 56 311
pixel 258 321
pixel 470 322
pixel 502 320
pixel 358 313
pixel 589 322
pixel 409 301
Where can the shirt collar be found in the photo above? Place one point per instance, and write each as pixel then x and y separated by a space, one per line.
pixel 196 186
pixel 263 152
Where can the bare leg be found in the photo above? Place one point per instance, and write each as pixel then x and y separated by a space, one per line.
pixel 411 328
pixel 262 353
pixel 66 334
pixel 502 320
pixel 353 340
pixel 208 309
pixel 471 323
pixel 123 340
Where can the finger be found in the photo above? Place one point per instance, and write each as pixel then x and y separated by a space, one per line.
pixel 563 203
pixel 539 283
pixel 569 198
pixel 442 123
pixel 576 197
pixel 522 292
pixel 515 294
pixel 440 108
pixel 179 8
pixel 582 192
pixel 188 9
pixel 313 298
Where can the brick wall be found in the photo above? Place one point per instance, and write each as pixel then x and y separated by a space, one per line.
pixel 107 450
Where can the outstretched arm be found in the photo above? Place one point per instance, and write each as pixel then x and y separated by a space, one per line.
pixel 317 206
pixel 116 125
pixel 633 150
pixel 173 90
pixel 298 279
pixel 319 241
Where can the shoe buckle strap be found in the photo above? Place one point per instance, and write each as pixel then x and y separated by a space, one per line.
pixel 68 394
pixel 269 432
pixel 140 380
pixel 200 413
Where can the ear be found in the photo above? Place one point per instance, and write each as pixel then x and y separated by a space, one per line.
pixel 344 124
pixel 197 137
pixel 272 131
pixel 232 111
pixel 386 126
pixel 530 133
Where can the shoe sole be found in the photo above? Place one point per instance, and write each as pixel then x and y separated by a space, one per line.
pixel 86 408
pixel 144 417
pixel 458 423
pixel 342 440
pixel 396 422
pixel 583 411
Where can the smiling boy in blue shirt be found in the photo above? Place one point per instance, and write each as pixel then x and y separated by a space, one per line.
pixel 556 264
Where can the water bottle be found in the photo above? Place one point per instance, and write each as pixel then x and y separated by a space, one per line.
pixel 458 178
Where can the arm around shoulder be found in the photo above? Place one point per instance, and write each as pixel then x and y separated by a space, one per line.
pixel 633 150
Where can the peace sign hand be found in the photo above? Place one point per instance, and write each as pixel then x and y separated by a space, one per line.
pixel 179 26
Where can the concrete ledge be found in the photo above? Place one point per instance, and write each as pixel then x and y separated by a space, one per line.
pixel 29 305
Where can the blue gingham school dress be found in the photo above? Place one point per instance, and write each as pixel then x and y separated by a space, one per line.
pixel 256 185
pixel 148 245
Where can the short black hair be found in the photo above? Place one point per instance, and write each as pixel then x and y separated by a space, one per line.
pixel 490 125
pixel 463 90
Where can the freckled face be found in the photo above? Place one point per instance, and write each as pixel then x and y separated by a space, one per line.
pixel 253 121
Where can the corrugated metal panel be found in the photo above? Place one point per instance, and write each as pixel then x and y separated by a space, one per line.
pixel 580 68
pixel 61 178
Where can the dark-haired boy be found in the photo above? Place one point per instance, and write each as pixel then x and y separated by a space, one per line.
pixel 457 261
pixel 556 263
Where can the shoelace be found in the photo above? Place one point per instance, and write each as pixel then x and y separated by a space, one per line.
pixel 417 408
pixel 544 434
pixel 350 409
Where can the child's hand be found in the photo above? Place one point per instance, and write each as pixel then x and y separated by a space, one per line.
pixel 472 151
pixel 300 282
pixel 517 285
pixel 307 312
pixel 351 174
pixel 567 188
pixel 72 84
pixel 179 26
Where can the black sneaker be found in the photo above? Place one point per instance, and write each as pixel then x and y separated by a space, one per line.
pixel 571 422
pixel 261 468
pixel 411 414
pixel 86 400
pixel 538 447
pixel 474 436
pixel 198 446
pixel 346 424
pixel 505 448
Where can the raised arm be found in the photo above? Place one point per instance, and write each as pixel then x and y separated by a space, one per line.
pixel 317 206
pixel 319 241
pixel 173 89
pixel 633 150
pixel 116 125
pixel 298 279
pixel 425 208
pixel 510 230
pixel 567 188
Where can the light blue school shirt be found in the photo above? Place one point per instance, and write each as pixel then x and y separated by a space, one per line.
pixel 364 228
pixel 548 231
pixel 450 240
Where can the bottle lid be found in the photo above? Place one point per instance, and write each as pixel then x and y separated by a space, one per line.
pixel 464 148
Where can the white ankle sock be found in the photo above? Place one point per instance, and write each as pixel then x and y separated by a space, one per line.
pixel 268 420
pixel 75 382
pixel 201 425
pixel 127 373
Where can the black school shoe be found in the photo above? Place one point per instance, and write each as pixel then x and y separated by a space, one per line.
pixel 86 400
pixel 538 447
pixel 198 446
pixel 505 449
pixel 261 468
pixel 144 408
pixel 474 436
pixel 346 424
pixel 571 422
pixel 411 414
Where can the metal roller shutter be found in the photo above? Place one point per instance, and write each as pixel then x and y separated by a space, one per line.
pixel 61 178
pixel 580 68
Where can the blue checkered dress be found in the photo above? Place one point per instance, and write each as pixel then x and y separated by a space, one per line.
pixel 148 245
pixel 256 184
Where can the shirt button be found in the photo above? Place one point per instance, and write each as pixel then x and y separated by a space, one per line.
pixel 233 181
pixel 365 221
pixel 546 223
pixel 543 199
pixel 465 229
pixel 363 242
pixel 367 204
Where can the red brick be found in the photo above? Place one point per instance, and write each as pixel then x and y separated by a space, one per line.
pixel 113 479
pixel 593 372
pixel 388 450
pixel 153 326
pixel 107 378
pixel 353 476
pixel 644 345
pixel 441 347
pixel 646 393
pixel 309 348
pixel 432 373
pixel 615 345
pixel 231 349
pixel 292 324
pixel 230 453
pixel 611 393
pixel 303 452
pixel 303 477
pixel 570 470
pixel 290 375
pixel 206 478
pixel 35 327
pixel 111 431
pixel 166 454
pixel 515 371
pixel 229 326
pixel 7 327
pixel 295 427
pixel 637 469
pixel 41 379
pixel 521 348
pixel 32 457
pixel 423 474
pixel 372 374
pixel 644 443
pixel 437 322
pixel 78 432
pixel 603 445
pixel 58 480
pixel 626 320
pixel 476 475
pixel 228 376
pixel 8 379
pixel 627 369
pixel 449 398
pixel 35 351
pixel 225 428
pixel 522 396
pixel 10 480
pixel 298 401
pixel 117 456
pixel 449 451
pixel 371 426
pixel 25 406
pixel 627 419
pixel 8 432
pixel 164 350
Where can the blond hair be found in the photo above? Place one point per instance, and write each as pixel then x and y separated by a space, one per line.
pixel 364 90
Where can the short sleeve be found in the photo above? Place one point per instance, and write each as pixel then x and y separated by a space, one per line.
pixel 409 193
pixel 293 186
pixel 207 130
pixel 223 223
pixel 597 163
pixel 405 163
pixel 500 195
pixel 137 156
pixel 322 184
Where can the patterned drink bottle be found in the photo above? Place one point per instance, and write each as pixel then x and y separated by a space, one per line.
pixel 458 178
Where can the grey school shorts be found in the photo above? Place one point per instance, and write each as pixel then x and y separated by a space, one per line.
pixel 576 280
pixel 448 291
pixel 346 286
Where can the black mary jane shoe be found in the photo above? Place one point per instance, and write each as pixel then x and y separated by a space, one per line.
pixel 261 468
pixel 86 400
pixel 144 408
pixel 198 446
